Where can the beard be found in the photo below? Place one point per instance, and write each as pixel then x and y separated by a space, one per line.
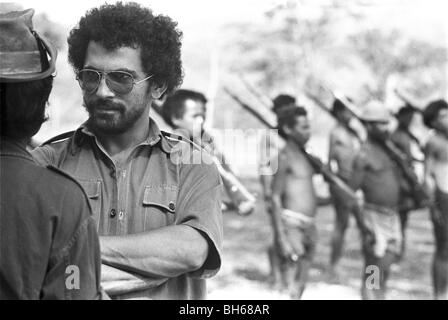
pixel 110 117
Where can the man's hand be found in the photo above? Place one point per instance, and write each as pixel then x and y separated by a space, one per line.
pixel 286 250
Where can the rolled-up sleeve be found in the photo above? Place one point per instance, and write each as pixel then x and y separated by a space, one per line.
pixel 200 208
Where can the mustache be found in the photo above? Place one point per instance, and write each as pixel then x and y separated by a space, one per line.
pixel 104 104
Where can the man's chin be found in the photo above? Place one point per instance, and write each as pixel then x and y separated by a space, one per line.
pixel 105 126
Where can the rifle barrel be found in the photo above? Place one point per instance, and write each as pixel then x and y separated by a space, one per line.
pixel 314 161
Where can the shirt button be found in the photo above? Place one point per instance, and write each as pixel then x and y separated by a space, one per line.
pixel 171 205
pixel 113 213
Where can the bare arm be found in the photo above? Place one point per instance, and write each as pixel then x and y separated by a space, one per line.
pixel 429 168
pixel 332 148
pixel 162 253
pixel 277 188
pixel 359 168
pixel 356 181
pixel 116 281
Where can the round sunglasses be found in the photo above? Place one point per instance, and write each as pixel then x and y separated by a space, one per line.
pixel 120 82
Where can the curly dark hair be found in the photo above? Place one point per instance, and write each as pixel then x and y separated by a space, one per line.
pixel 431 112
pixel 131 25
pixel 282 100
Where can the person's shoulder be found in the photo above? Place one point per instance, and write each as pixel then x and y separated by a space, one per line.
pixel 48 151
pixel 285 155
pixel 436 142
pixel 399 136
pixel 337 130
pixel 61 180
pixel 189 155
pixel 365 153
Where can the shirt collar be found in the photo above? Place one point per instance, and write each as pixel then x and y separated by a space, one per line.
pixel 154 137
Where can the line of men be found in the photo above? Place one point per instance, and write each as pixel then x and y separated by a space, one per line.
pixel 104 211
pixel 381 212
pixel 292 200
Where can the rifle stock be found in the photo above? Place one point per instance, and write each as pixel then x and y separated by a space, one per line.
pixel 328 111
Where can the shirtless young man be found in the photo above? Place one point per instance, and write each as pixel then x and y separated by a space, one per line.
pixel 435 116
pixel 293 203
pixel 377 175
pixel 344 145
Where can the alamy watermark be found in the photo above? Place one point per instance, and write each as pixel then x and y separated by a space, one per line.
pixel 72 280
pixel 234 147
pixel 373 280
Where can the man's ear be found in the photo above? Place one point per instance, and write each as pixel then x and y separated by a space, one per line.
pixel 157 90
pixel 286 129
pixel 176 122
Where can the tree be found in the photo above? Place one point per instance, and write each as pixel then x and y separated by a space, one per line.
pixel 390 53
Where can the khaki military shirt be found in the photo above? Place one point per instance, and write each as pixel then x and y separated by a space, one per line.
pixel 156 187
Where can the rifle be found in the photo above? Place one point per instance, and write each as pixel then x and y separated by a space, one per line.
pixel 419 194
pixel 331 113
pixel 261 98
pixel 315 162
pixel 241 198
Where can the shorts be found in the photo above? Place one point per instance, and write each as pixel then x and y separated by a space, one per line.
pixel 385 225
pixel 302 233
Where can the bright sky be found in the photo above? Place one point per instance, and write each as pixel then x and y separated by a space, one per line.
pixel 422 17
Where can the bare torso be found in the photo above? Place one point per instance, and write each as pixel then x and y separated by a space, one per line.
pixel 298 194
pixel 380 178
pixel 343 149
pixel 437 152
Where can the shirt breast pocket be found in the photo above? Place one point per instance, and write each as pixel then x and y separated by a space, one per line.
pixel 93 190
pixel 159 206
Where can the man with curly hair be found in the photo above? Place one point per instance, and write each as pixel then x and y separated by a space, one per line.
pixel 159 220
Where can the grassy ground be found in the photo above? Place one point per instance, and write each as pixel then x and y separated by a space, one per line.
pixel 245 269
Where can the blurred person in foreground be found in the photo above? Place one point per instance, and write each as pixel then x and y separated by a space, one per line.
pixel 293 203
pixel 377 175
pixel 435 116
pixel 185 111
pixel 49 247
pixel 158 213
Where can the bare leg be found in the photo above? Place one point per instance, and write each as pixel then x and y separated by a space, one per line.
pixel 301 278
pixel 337 242
pixel 404 217
pixel 440 271
pixel 375 275
pixel 274 262
pixel 440 260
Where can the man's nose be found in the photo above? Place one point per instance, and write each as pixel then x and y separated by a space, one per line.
pixel 103 90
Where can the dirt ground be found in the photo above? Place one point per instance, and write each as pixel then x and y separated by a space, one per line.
pixel 245 268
